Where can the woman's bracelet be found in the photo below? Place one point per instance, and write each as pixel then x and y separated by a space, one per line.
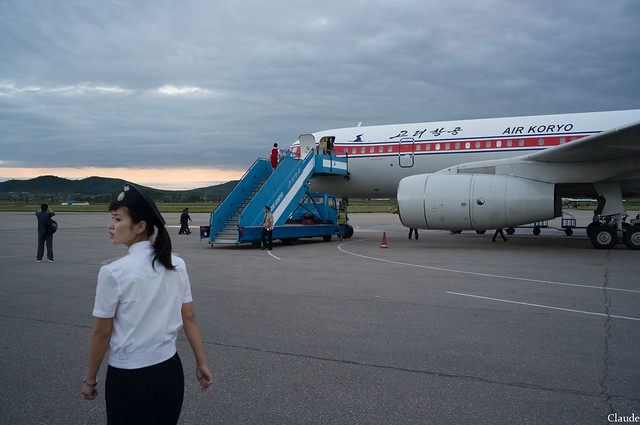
pixel 84 381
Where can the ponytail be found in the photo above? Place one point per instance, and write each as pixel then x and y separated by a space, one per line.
pixel 162 248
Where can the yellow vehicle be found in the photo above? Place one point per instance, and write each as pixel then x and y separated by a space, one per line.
pixel 393 209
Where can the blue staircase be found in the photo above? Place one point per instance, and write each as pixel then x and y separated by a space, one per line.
pixel 281 189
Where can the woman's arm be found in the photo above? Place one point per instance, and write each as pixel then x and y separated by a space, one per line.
pixel 192 331
pixel 99 344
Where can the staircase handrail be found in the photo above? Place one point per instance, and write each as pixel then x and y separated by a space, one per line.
pixel 258 171
pixel 283 186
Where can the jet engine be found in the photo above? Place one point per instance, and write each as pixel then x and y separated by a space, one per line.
pixel 474 201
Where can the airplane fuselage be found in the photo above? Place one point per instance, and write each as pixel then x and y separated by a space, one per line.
pixel 380 156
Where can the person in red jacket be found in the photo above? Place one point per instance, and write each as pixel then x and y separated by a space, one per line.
pixel 275 156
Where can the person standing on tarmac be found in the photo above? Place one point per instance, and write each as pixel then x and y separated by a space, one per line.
pixel 44 237
pixel 342 219
pixel 267 229
pixel 142 300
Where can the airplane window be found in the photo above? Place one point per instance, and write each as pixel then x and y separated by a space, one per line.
pixel 562 140
pixel 437 146
pixel 488 144
pixel 355 150
pixel 509 143
pixel 363 150
pixel 467 145
pixel 390 149
pixel 499 143
pixel 446 146
pixel 372 149
pixel 457 146
pixel 418 147
pixel 521 142
pixel 477 145
pixel 381 149
pixel 573 138
pixel 427 147
pixel 540 142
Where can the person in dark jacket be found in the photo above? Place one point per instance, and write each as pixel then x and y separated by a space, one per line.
pixel 184 222
pixel 43 216
pixel 499 232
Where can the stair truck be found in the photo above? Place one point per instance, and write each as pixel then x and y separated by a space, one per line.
pixel 297 212
pixel 315 216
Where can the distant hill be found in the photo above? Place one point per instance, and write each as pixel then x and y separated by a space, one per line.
pixel 99 189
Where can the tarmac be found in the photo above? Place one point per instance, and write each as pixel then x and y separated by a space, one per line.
pixel 447 329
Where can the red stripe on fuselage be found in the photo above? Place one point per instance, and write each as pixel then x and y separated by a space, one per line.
pixel 448 146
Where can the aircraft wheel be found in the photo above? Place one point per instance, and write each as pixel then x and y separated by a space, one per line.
pixel 632 237
pixel 481 232
pixel 536 231
pixel 326 238
pixel 603 237
pixel 348 231
pixel 511 231
pixel 568 231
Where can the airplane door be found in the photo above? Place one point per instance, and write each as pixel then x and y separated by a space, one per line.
pixel 406 152
pixel 326 145
pixel 307 144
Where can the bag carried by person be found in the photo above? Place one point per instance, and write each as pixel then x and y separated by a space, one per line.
pixel 52 226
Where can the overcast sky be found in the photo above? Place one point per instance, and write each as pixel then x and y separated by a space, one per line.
pixel 201 88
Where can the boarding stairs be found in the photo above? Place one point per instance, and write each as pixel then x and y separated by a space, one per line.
pixel 229 233
pixel 281 189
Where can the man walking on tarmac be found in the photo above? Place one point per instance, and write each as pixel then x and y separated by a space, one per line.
pixel 498 232
pixel 267 229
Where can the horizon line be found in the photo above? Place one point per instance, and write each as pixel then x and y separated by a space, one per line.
pixel 157 178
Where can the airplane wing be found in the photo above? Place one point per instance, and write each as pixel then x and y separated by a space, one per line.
pixel 623 142
pixel 613 155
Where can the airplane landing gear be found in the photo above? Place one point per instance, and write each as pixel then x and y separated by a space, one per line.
pixel 632 237
pixel 609 224
pixel 603 236
pixel 606 232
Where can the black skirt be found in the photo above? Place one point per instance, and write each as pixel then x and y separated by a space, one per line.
pixel 149 395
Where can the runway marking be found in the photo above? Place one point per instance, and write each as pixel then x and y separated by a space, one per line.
pixel 496 276
pixel 271 254
pixel 545 306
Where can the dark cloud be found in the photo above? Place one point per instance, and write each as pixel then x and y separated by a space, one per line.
pixel 213 84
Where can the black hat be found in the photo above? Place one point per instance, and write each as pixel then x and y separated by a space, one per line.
pixel 137 201
pixel 268 207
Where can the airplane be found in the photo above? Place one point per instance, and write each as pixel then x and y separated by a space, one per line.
pixel 482 174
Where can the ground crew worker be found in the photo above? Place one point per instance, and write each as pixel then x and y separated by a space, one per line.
pixel 267 229
pixel 342 219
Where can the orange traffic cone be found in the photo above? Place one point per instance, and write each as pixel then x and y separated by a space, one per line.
pixel 384 240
